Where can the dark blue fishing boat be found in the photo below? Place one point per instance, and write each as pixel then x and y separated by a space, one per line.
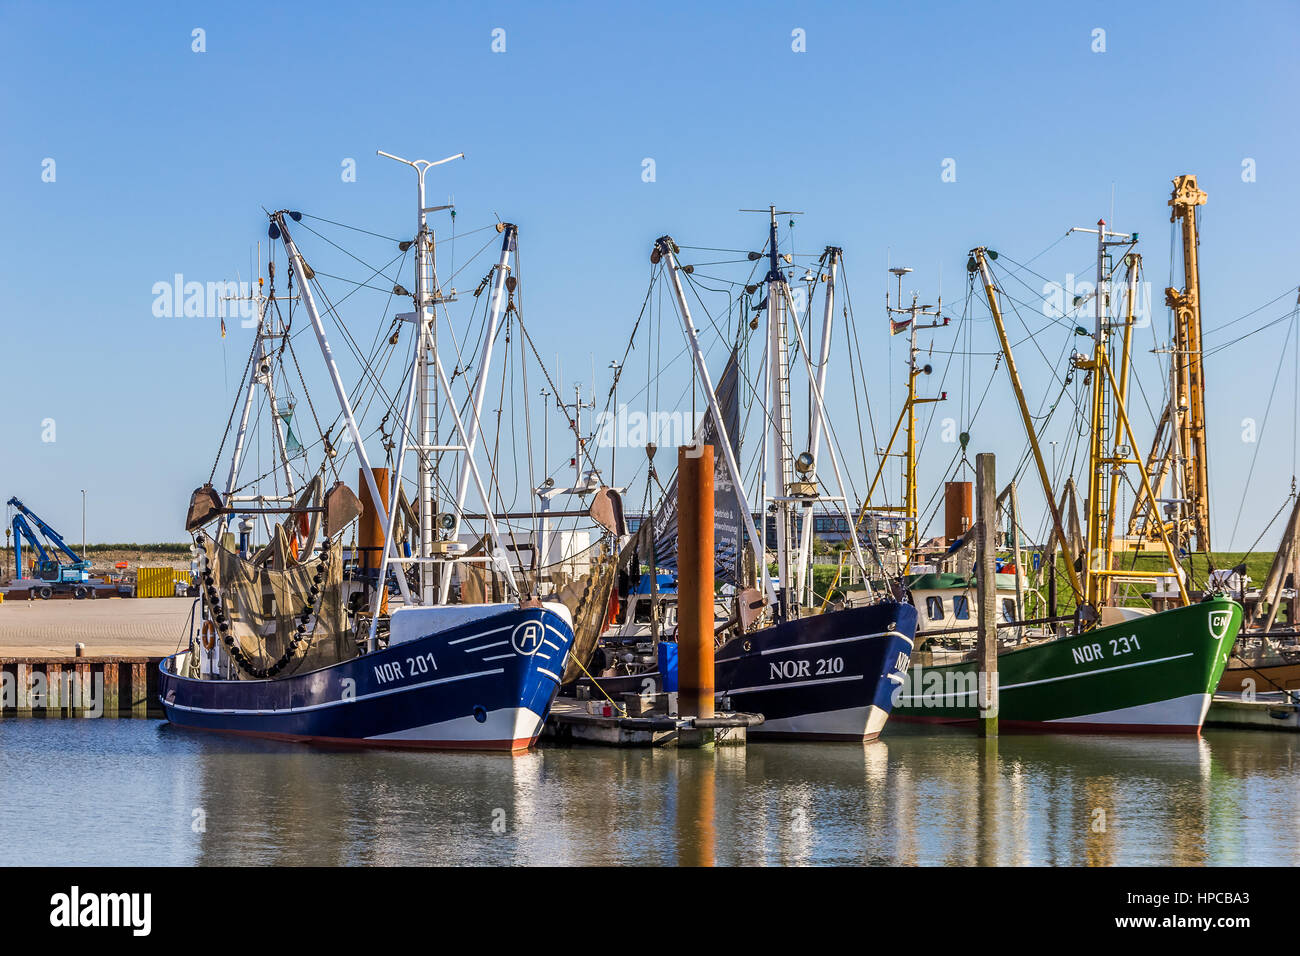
pixel 483 684
pixel 295 638
pixel 813 671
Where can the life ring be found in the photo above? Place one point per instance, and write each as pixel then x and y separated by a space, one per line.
pixel 209 635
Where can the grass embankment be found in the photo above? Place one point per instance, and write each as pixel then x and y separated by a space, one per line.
pixel 1257 565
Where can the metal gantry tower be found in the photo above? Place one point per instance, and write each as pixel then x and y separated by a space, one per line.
pixel 1179 450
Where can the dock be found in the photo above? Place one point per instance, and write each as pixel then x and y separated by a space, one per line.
pixel 1273 710
pixel 601 723
pixel 105 686
pixel 86 658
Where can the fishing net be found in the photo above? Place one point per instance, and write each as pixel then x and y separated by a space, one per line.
pixel 279 620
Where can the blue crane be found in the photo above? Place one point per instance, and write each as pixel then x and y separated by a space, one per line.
pixel 72 574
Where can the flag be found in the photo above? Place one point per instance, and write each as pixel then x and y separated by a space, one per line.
pixel 223 328
pixel 896 327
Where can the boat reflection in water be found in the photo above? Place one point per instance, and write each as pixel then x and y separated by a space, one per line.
pixel 929 799
pixel 914 797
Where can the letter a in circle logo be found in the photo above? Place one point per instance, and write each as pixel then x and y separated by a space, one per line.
pixel 527 638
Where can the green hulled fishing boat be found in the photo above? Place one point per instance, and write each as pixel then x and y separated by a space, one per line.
pixel 1119 668
pixel 1154 673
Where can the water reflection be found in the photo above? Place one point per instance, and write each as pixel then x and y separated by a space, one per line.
pixel 134 792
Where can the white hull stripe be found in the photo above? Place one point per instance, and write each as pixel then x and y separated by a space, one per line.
pixel 792 685
pixel 836 640
pixel 479 636
pixel 1102 670
pixel 486 647
pixel 1046 680
pixel 339 703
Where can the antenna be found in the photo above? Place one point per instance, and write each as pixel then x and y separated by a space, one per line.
pixel 774 272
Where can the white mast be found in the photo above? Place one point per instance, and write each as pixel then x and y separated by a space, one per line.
pixel 427 380
pixel 301 270
pixel 815 424
pixel 261 373
pixel 664 249
pixel 780 464
pixel 480 387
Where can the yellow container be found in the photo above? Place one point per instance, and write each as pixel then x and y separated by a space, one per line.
pixel 155 582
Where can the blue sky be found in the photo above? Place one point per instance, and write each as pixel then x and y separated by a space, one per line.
pixel 164 158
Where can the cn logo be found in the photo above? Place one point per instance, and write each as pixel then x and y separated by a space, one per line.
pixel 527 638
pixel 1219 624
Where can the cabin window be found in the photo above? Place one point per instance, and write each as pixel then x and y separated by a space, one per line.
pixel 641 613
pixel 934 607
pixel 1008 610
pixel 961 607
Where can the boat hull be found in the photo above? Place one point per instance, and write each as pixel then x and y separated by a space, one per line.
pixel 822 677
pixel 483 685
pixel 1241 677
pixel 1153 674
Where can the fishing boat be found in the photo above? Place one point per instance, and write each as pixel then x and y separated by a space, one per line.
pixel 1117 668
pixel 814 672
pixel 296 639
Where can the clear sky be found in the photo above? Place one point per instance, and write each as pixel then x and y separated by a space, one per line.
pixel 163 158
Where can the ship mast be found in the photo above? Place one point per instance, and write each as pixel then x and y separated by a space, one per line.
pixel 666 250
pixel 1104 462
pixel 437 555
pixel 780 461
pixel 261 373
pixel 1179 450
pixel 907 416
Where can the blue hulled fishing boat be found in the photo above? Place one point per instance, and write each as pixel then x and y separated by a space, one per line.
pixel 295 637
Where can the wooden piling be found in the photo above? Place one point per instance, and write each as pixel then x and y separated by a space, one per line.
pixel 54 701
pixel 987 592
pixel 139 689
pixel 23 677
pixel 82 688
pixel 695 580
pixel 110 695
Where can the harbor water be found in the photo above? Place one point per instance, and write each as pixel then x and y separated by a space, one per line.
pixel 131 792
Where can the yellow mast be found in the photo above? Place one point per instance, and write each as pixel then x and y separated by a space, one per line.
pixel 1187 306
pixel 1106 459
pixel 908 509
pixel 979 260
pixel 1183 452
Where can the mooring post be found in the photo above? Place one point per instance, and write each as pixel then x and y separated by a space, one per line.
pixel 111 690
pixel 54 690
pixel 23 673
pixel 987 591
pixel 139 689
pixel 695 580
